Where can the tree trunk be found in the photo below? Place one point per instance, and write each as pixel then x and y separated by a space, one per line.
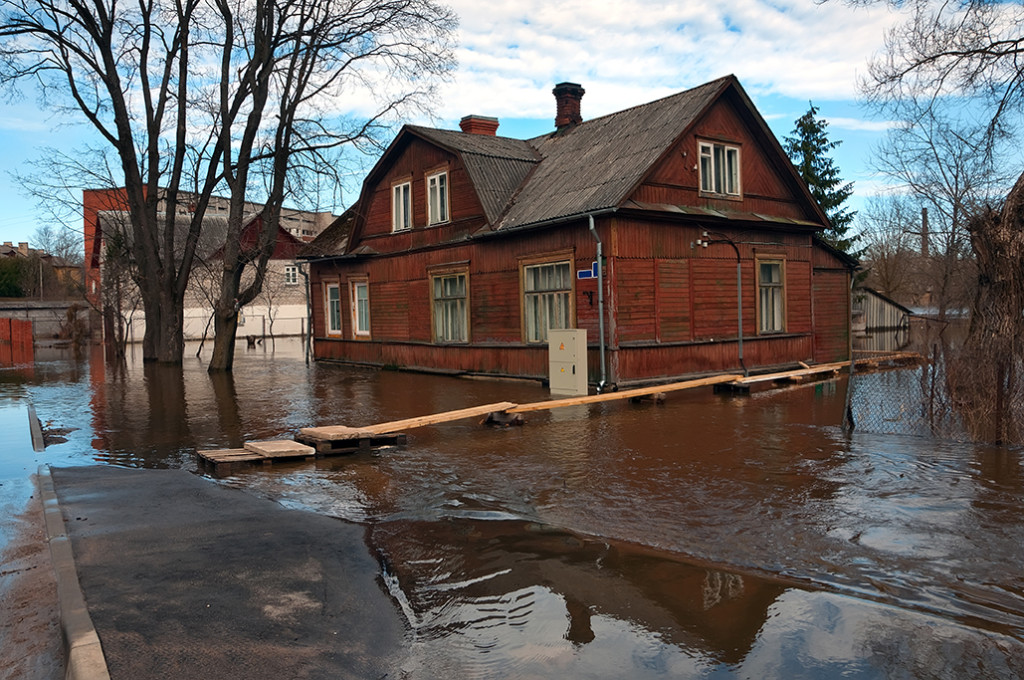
pixel 163 341
pixel 225 327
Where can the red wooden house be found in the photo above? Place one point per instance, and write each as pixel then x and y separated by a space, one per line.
pixel 465 248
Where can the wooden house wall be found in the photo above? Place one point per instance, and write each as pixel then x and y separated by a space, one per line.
pixel 832 316
pixel 676 179
pixel 400 304
pixel 414 163
pixel 669 314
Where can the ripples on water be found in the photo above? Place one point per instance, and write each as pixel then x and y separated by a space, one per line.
pixel 707 536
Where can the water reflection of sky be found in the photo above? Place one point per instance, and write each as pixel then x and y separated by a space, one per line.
pixel 706 536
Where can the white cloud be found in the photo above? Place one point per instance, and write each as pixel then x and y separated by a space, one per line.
pixel 860 124
pixel 629 52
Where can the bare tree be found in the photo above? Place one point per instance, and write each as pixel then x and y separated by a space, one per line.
pixel 890 248
pixel 199 97
pixel 951 170
pixel 59 241
pixel 943 51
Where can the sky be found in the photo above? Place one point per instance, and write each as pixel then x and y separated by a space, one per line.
pixel 786 54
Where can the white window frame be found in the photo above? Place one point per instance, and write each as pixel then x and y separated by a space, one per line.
pixel 291 275
pixel 360 308
pixel 450 309
pixel 332 309
pixel 771 297
pixel 546 305
pixel 437 198
pixel 401 206
pixel 719 168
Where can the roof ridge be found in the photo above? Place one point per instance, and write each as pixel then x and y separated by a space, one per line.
pixel 681 93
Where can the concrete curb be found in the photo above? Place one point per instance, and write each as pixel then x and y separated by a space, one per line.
pixel 85 660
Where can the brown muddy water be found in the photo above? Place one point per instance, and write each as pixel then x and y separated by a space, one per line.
pixel 709 536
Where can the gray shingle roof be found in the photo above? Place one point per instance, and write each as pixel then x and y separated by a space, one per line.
pixel 594 165
pixel 497 166
pixel 587 168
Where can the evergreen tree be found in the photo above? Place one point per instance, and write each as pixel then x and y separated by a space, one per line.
pixel 808 147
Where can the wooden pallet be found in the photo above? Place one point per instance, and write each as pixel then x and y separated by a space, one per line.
pixel 330 447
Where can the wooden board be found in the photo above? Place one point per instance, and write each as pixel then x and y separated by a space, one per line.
pixel 783 375
pixel 221 456
pixel 625 394
pixel 332 432
pixel 280 448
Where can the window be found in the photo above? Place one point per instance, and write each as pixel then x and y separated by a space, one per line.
pixel 547 289
pixel 333 309
pixel 719 169
pixel 771 306
pixel 451 322
pixel 291 275
pixel 401 206
pixel 360 308
pixel 437 198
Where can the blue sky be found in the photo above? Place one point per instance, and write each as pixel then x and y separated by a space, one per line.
pixel 512 52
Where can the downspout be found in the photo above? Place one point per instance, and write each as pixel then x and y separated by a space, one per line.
pixel 600 303
pixel 307 340
pixel 739 306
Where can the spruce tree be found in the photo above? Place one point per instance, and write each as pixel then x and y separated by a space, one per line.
pixel 808 147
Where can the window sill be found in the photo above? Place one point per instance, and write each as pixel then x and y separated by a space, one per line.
pixel 723 197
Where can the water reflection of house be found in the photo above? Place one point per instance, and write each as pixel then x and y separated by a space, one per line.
pixel 281 308
pixel 466 247
pixel 879 322
pixel 485 579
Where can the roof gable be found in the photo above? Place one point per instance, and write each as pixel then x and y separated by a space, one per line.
pixel 595 165
pixel 591 167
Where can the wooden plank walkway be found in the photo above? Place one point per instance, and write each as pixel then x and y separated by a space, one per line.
pixel 338 439
pixel 625 394
pixel 334 432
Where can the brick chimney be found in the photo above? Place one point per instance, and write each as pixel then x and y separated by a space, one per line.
pixel 479 125
pixel 23 248
pixel 567 99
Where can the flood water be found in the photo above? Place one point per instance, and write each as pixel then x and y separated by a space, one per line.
pixel 708 536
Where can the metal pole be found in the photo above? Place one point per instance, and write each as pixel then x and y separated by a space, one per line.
pixel 600 302
pixel 739 305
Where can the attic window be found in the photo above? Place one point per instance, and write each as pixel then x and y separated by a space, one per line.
pixel 437 198
pixel 719 169
pixel 401 206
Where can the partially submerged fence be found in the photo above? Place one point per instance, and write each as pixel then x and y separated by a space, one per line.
pixel 15 342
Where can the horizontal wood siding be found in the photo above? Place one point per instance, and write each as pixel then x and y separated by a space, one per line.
pixel 389 317
pixel 798 296
pixel 635 300
pixel 666 315
pixel 713 287
pixel 831 323
pixel 413 163
pixel 494 297
pixel 651 362
pixel 764 187
pixel 673 285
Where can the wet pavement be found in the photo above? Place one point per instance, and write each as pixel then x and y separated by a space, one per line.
pixel 709 536
pixel 184 578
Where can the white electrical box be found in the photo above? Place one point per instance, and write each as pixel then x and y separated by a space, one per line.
pixel 567 362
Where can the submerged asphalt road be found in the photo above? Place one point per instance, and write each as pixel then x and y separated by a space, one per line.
pixel 184 578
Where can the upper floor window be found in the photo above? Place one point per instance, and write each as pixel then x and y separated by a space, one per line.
pixel 401 206
pixel 719 169
pixel 437 198
pixel 291 275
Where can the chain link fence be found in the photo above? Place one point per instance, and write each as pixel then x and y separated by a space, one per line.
pixel 905 398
